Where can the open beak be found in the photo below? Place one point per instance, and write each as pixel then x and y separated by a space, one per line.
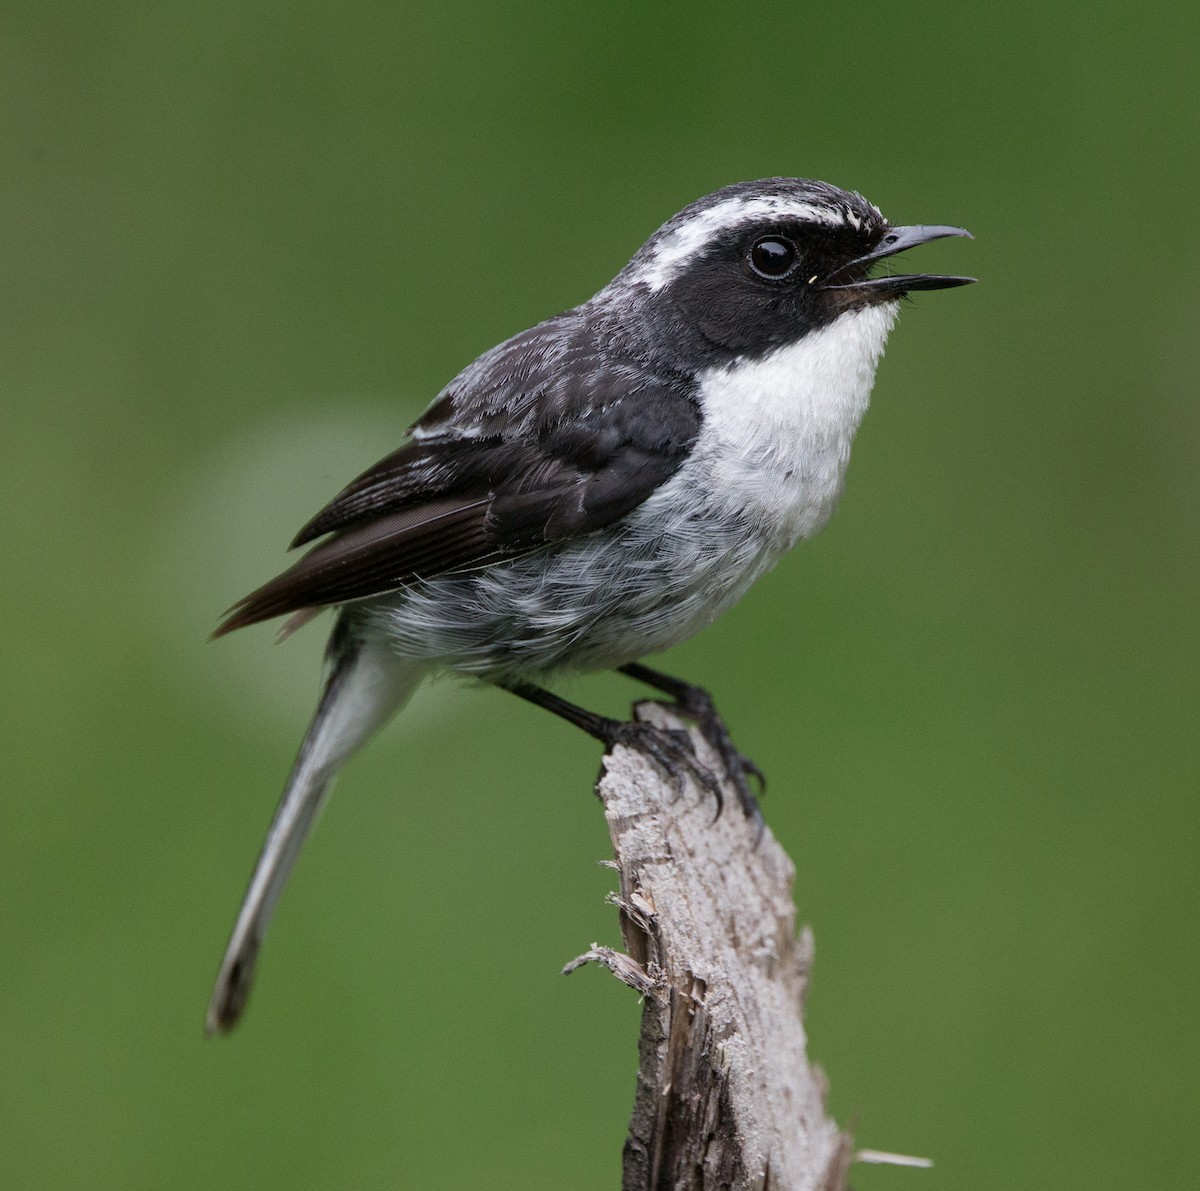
pixel 895 240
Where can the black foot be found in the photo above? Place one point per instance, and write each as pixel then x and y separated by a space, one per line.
pixel 669 749
pixel 697 704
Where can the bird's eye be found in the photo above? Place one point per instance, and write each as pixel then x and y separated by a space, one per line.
pixel 773 257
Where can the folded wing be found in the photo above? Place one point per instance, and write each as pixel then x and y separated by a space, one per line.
pixel 518 454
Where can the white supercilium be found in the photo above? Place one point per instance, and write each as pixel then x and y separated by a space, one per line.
pixel 680 245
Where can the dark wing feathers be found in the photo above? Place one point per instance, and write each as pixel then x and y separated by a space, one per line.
pixel 374 556
pixel 415 470
pixel 534 443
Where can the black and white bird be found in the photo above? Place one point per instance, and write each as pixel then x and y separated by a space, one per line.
pixel 596 489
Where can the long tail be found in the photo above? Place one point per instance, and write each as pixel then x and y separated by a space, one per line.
pixel 367 684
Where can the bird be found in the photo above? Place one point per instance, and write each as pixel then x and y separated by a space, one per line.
pixel 595 490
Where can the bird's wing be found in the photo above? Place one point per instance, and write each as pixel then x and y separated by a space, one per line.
pixel 534 444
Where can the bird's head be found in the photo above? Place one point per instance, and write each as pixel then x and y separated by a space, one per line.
pixel 759 265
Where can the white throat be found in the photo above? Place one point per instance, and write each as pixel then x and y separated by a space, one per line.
pixel 777 431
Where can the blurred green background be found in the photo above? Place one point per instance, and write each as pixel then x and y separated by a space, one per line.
pixel 243 245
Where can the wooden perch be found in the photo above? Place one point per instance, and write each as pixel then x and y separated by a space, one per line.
pixel 726 1097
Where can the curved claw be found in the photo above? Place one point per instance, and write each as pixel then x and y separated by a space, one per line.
pixel 737 771
pixel 671 750
pixel 748 765
pixel 697 703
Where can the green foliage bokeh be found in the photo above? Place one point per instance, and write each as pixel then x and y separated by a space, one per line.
pixel 244 244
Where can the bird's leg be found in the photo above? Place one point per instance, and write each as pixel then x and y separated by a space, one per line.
pixel 669 749
pixel 697 704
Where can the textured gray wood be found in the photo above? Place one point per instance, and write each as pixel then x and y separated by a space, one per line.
pixel 726 1096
